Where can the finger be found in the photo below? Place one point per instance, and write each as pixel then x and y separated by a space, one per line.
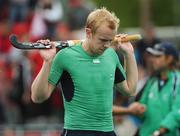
pixel 53 44
pixel 121 35
pixel 46 42
pixel 39 41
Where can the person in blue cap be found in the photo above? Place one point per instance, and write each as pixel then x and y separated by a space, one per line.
pixel 161 94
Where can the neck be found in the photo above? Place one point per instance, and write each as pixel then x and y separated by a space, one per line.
pixel 86 47
pixel 164 75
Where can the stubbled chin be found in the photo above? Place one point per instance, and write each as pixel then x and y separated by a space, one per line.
pixel 101 52
pixel 98 53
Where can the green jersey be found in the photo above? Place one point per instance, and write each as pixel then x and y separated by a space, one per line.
pixel 87 84
pixel 161 99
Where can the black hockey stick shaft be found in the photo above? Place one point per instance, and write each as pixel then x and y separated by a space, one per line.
pixel 36 45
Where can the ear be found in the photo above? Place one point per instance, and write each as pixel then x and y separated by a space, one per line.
pixel 88 33
pixel 169 59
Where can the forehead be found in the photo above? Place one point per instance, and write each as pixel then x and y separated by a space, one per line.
pixel 105 31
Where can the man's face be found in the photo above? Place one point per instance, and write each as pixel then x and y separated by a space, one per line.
pixel 101 39
pixel 158 63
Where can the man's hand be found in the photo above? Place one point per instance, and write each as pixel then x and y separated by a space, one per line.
pixel 136 108
pixel 160 132
pixel 124 47
pixel 47 54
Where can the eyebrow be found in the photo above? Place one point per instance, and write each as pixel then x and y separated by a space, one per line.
pixel 105 40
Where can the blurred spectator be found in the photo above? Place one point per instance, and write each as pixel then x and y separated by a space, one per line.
pixel 5 46
pixel 2 77
pixel 4 4
pixel 32 4
pixel 63 32
pixel 149 40
pixel 48 14
pixel 122 124
pixel 143 58
pixel 18 11
pixel 16 76
pixel 20 81
pixel 161 89
pixel 126 126
pixel 76 17
pixel 178 62
pixel 77 14
pixel 12 113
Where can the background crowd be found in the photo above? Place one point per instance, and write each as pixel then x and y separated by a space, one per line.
pixel 62 20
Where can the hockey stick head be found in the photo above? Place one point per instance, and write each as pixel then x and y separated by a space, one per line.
pixel 14 42
pixel 25 45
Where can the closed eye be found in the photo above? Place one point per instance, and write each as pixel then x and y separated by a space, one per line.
pixel 104 40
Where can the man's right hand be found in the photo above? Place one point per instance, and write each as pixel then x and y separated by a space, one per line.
pixel 47 54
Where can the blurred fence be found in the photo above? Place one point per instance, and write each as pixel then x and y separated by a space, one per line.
pixel 31 130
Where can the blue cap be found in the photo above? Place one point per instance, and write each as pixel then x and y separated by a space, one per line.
pixel 164 48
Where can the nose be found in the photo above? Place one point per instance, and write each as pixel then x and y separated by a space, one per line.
pixel 107 44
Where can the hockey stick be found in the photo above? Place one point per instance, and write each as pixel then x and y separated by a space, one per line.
pixel 59 44
pixel 36 45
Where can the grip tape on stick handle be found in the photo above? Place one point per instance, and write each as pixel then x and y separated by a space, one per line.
pixel 130 38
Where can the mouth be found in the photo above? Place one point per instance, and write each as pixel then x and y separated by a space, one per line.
pixel 102 50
